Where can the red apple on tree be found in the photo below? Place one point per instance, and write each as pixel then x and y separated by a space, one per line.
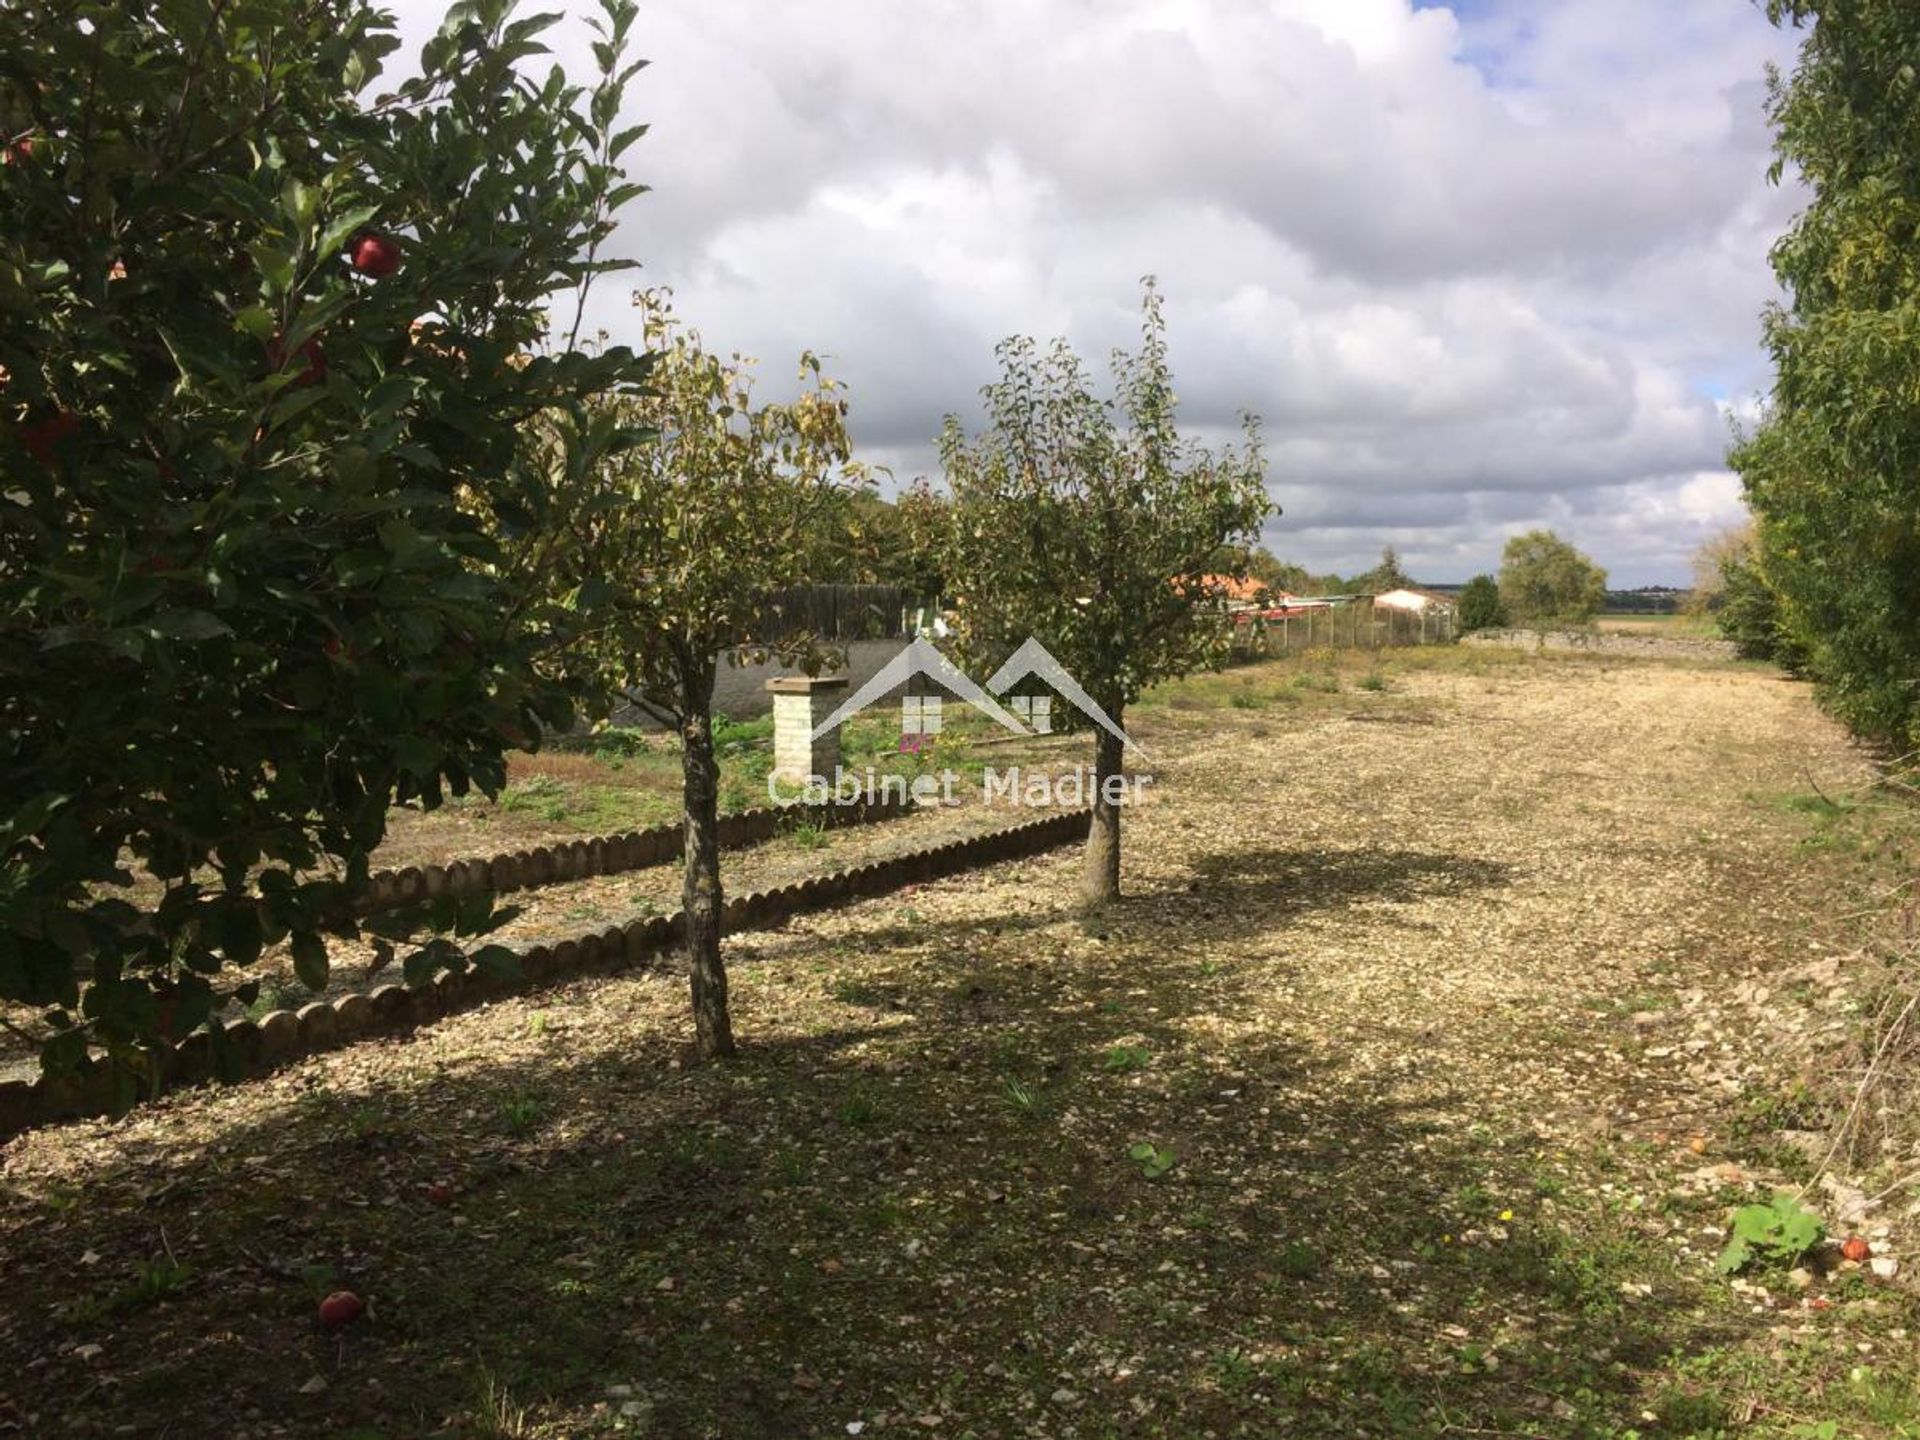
pixel 41 436
pixel 309 350
pixel 374 254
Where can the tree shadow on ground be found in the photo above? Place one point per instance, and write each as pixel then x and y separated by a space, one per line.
pixel 1244 889
pixel 916 1210
pixel 1238 893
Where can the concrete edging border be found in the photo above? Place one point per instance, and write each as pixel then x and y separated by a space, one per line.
pixel 259 1046
pixel 598 855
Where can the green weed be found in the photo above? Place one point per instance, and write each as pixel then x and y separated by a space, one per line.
pixel 1777 1233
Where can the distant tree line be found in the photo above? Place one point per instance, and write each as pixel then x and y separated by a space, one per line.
pixel 1542 581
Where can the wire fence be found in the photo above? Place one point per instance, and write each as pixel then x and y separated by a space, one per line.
pixel 1356 624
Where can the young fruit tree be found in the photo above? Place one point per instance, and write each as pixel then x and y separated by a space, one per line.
pixel 245 608
pixel 671 554
pixel 1091 525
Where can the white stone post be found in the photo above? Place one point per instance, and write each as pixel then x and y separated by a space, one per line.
pixel 800 703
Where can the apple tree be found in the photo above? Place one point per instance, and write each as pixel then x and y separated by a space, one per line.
pixel 670 555
pixel 1092 525
pixel 264 334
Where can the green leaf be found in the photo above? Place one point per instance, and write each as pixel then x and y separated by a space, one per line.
pixel 310 959
pixel 1736 1254
pixel 498 961
pixel 188 625
pixel 298 201
pixel 241 935
pixel 344 226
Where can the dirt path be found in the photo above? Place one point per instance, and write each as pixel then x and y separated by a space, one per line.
pixel 1417 1000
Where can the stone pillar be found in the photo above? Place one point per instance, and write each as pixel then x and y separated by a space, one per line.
pixel 801 702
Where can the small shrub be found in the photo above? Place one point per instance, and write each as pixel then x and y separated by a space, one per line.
pixel 1297 1260
pixel 496 1414
pixel 1373 681
pixel 539 795
pixel 857 1110
pixel 860 992
pixel 273 997
pixel 1774 1234
pixel 520 1113
pixel 621 741
pixel 1689 1412
pixel 1233 1371
pixel 1019 1097
pixel 1152 1160
pixel 368 1120
pixel 732 737
pixel 155 1280
pixel 1124 1058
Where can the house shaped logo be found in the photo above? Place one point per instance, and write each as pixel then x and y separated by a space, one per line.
pixel 921 715
pixel 1034 659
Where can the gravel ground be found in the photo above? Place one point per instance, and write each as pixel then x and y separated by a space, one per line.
pixel 1407 1093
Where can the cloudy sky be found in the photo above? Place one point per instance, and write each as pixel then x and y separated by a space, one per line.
pixel 1479 267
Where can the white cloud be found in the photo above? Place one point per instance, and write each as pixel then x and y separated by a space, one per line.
pixel 1477 271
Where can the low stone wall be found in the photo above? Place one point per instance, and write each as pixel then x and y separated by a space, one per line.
pixel 255 1047
pixel 609 854
pixel 1608 642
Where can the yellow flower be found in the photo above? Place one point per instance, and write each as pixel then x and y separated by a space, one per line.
pixel 1506 1214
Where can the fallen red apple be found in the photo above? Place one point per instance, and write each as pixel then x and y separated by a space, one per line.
pixel 1857 1249
pixel 440 1193
pixel 374 254
pixel 41 436
pixel 19 152
pixel 343 1307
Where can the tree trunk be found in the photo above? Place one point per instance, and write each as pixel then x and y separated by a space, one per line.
pixel 1101 885
pixel 700 886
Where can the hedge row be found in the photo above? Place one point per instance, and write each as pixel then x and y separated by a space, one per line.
pixel 255 1047
pixel 610 854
